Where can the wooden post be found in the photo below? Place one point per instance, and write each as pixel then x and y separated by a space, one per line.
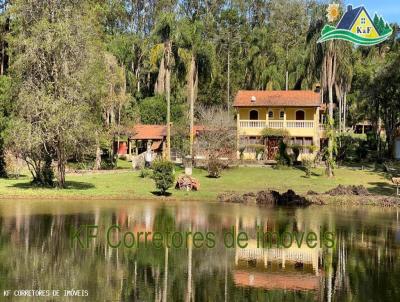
pixel 284 118
pixel 237 134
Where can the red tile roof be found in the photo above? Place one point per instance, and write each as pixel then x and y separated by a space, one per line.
pixel 294 98
pixel 155 131
pixel 149 132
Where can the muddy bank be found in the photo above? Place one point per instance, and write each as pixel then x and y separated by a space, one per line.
pixel 268 197
pixel 348 190
pixel 341 195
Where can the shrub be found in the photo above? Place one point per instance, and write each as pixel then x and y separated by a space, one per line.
pixel 13 165
pixel 241 152
pixel 283 157
pixel 259 150
pixel 144 173
pixel 307 161
pixel 214 168
pixel 272 132
pixel 163 175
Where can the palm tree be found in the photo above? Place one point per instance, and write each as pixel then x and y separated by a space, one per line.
pixel 164 31
pixel 197 56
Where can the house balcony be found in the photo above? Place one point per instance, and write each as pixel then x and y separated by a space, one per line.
pixel 294 127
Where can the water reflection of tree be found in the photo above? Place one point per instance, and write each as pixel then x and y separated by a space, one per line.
pixel 34 253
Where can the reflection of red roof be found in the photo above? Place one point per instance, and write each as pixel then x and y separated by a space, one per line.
pixel 276 281
pixel 296 98
pixel 149 132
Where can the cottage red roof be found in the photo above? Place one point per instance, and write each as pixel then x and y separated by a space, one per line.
pixel 155 131
pixel 149 132
pixel 260 98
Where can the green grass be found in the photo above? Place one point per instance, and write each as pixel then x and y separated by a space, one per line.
pixel 130 185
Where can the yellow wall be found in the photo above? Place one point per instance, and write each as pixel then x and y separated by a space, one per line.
pixel 290 113
pixel 364 27
pixel 309 113
pixel 245 113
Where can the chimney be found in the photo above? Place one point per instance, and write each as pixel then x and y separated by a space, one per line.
pixel 317 88
pixel 349 8
pixel 253 99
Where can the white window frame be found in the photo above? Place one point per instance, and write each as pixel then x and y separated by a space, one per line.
pixel 270 114
pixel 283 115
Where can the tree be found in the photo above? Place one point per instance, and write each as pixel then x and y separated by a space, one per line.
pixel 198 59
pixel 153 111
pixel 51 62
pixel 5 111
pixel 385 90
pixel 288 27
pixel 163 175
pixel 218 140
pixel 164 31
pixel 328 79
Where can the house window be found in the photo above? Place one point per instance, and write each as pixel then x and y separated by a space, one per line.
pixel 363 21
pixel 270 114
pixel 300 115
pixel 282 115
pixel 253 115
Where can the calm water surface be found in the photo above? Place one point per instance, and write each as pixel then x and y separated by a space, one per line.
pixel 35 253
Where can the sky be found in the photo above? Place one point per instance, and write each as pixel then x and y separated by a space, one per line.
pixel 388 9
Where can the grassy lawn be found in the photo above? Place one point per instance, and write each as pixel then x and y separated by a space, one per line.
pixel 130 185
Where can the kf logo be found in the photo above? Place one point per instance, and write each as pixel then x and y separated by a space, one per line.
pixel 82 236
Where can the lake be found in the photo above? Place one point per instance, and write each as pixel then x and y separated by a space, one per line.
pixel 38 251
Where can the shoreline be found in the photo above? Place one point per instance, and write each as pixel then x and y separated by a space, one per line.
pixel 380 201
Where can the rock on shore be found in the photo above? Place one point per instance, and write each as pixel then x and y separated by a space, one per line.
pixel 268 197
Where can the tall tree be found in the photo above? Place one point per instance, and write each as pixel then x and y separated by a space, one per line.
pixel 385 89
pixel 164 30
pixel 198 59
pixel 51 62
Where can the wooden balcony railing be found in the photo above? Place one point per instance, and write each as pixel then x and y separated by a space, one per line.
pixel 276 124
pixel 252 124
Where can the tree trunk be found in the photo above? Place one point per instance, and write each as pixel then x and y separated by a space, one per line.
pixel 97 164
pixel 168 95
pixel 330 74
pixel 60 165
pixel 160 85
pixel 344 110
pixel 192 81
pixel 229 82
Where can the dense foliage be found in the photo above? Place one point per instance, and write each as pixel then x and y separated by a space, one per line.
pixel 83 71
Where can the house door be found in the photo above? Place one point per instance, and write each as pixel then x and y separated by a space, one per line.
pixel 272 148
pixel 397 149
pixel 300 115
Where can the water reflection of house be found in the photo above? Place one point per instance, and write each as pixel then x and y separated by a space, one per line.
pixel 293 256
pixel 291 268
pixel 276 281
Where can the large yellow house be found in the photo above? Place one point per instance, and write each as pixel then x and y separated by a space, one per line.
pixel 297 112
